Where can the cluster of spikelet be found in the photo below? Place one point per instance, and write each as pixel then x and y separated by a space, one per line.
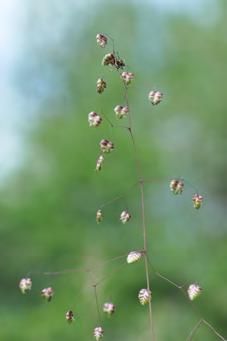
pixel 177 186
pixel 106 146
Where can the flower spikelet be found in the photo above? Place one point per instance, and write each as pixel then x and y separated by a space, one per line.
pixel 100 85
pixel 109 59
pixel 127 77
pixel 99 163
pixel 125 217
pixel 94 119
pixel 25 285
pixel 106 146
pixel 194 290
pixel 176 186
pixel 109 308
pixel 197 200
pixel 121 110
pixel 155 97
pixel 144 296
pixel 99 216
pixel 69 316
pixel 98 333
pixel 101 39
pixel 47 294
pixel 133 256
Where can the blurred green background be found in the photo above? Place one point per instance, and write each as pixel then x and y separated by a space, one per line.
pixel 50 191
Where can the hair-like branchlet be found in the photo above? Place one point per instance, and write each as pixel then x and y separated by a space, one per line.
pixel 177 186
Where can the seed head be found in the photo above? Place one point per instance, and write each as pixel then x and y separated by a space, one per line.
pixel 47 294
pixel 100 85
pixel 98 333
pixel 144 296
pixel 133 256
pixel 120 64
pixel 127 77
pixel 99 216
pixel 197 200
pixel 69 316
pixel 155 97
pixel 194 290
pixel 25 285
pixel 106 146
pixel 99 163
pixel 109 308
pixel 176 186
pixel 101 40
pixel 125 216
pixel 108 59
pixel 94 119
pixel 121 111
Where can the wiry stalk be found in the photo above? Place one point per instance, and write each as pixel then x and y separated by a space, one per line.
pixel 146 254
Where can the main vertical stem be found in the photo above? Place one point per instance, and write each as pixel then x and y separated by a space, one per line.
pixel 141 183
pixel 97 303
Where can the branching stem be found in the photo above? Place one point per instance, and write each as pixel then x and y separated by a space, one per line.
pixel 198 325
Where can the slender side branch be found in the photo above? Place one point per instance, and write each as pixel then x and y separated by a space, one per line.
pixel 73 270
pixel 110 275
pixel 118 197
pixel 194 330
pixel 168 280
pixel 198 325
pixel 214 330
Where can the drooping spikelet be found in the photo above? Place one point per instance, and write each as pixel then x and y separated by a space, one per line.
pixel 101 39
pixel 98 333
pixel 144 296
pixel 47 294
pixel 94 119
pixel 25 285
pixel 125 217
pixel 197 201
pixel 109 59
pixel 194 290
pixel 109 308
pixel 99 216
pixel 99 163
pixel 100 85
pixel 69 316
pixel 121 110
pixel 155 97
pixel 127 77
pixel 176 186
pixel 106 146
pixel 133 256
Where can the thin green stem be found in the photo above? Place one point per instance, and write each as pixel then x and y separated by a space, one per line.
pixel 198 325
pixel 214 330
pixel 145 254
pixel 144 227
pixel 194 330
pixel 118 197
pixel 97 303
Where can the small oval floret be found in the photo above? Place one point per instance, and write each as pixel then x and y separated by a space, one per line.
pixel 194 290
pixel 144 296
pixel 155 97
pixel 101 39
pixel 98 333
pixel 133 256
pixel 25 285
pixel 47 294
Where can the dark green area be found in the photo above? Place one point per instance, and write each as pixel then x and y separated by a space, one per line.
pixel 48 207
